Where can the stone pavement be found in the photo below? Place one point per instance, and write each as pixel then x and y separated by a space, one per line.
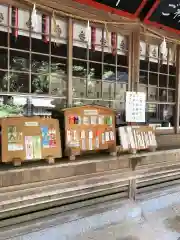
pixel 163 224
pixel 152 219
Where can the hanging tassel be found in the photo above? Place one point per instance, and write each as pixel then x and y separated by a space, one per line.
pixel 107 36
pixel 45 28
pixel 163 49
pixel 34 18
pixel 93 38
pixel 113 43
pixel 88 34
pixel 14 22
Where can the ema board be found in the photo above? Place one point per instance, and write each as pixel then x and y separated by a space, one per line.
pixel 89 129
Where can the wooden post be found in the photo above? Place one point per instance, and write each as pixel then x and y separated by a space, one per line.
pixel 132 189
pixel 132 182
pixel 135 59
pixel 130 61
pixel 70 63
pixel 177 93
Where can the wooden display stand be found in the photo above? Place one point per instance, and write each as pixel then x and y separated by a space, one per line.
pixel 29 138
pixel 136 138
pixel 89 128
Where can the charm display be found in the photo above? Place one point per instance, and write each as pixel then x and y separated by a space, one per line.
pixel 92 128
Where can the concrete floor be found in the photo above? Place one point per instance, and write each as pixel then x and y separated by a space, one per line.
pixel 162 225
pixel 153 219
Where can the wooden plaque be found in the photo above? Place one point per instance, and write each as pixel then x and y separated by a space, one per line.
pixel 29 138
pixel 89 128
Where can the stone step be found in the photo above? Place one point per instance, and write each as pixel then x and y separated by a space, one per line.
pixel 92 181
pixel 52 182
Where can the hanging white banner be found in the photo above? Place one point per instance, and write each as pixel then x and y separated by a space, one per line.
pixel 142 50
pixel 153 53
pixel 171 57
pixel 24 22
pixel 37 30
pixel 99 39
pixel 58 32
pixel 122 45
pixel 80 35
pixel 4 18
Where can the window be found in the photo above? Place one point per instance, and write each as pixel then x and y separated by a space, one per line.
pixel 33 61
pixel 100 74
pixel 158 80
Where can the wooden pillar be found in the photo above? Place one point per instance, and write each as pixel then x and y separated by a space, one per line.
pixel 130 61
pixel 177 93
pixel 135 59
pixel 132 189
pixel 70 63
pixel 132 182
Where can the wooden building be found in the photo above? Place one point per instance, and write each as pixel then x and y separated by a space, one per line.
pixel 62 61
pixel 52 63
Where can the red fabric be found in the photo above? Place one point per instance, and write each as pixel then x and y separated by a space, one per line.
pixel 93 38
pixel 15 21
pixel 45 29
pixel 114 43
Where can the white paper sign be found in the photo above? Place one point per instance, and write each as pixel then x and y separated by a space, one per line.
pixel 83 134
pixel 103 138
pixel 135 106
pixel 97 142
pixel 107 136
pixel 68 136
pixel 83 146
pixel 90 144
pixel 90 134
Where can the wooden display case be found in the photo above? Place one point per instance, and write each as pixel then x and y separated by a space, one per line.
pixel 89 128
pixel 29 138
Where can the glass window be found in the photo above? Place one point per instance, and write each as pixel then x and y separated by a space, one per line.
pixel 32 60
pixel 158 81
pixel 100 75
